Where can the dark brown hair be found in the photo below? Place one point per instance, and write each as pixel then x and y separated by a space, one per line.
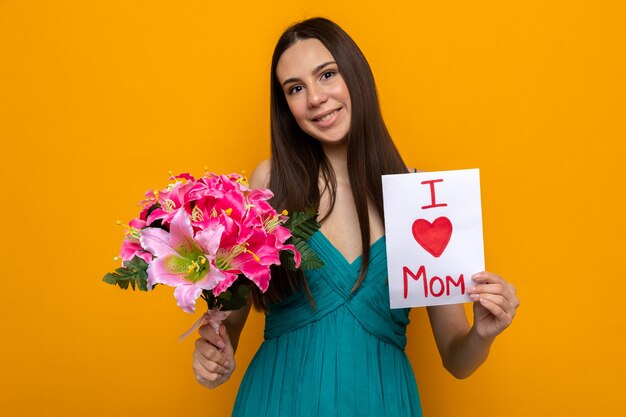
pixel 297 159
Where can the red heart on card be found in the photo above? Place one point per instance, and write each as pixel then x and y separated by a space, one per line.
pixel 433 237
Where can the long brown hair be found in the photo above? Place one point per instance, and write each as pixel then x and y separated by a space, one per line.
pixel 297 159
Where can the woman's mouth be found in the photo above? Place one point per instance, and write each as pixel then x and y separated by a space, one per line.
pixel 327 119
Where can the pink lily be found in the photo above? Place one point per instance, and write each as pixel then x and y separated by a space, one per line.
pixel 171 200
pixel 252 257
pixel 183 260
pixel 130 245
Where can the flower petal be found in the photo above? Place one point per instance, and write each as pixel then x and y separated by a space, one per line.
pixel 181 235
pixel 260 194
pixel 225 283
pixel 156 241
pixel 129 249
pixel 213 277
pixel 186 296
pixel 159 272
pixel 146 256
pixel 296 254
pixel 209 240
pixel 257 273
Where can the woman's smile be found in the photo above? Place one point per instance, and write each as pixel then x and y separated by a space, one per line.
pixel 327 119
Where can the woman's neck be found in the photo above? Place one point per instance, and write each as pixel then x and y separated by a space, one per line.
pixel 337 155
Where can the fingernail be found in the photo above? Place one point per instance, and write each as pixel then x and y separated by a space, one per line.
pixel 475 297
pixel 221 344
pixel 226 364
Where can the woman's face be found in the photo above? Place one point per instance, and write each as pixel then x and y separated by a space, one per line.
pixel 315 90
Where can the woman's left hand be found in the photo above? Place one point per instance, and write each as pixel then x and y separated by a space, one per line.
pixel 495 304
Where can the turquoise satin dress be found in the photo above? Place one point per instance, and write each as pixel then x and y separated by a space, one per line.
pixel 344 358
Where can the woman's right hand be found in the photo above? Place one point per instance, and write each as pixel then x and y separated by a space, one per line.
pixel 214 357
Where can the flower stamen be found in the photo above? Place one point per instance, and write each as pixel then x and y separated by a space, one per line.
pixel 131 232
pixel 196 214
pixel 224 257
pixel 169 205
pixel 195 268
pixel 271 223
pixel 243 180
pixel 254 255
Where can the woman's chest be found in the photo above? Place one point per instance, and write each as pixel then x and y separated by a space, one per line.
pixel 341 225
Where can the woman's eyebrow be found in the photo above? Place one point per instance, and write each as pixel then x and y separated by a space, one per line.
pixel 315 70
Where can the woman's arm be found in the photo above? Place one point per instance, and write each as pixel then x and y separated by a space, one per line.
pixel 234 324
pixel 260 178
pixel 463 348
pixel 214 356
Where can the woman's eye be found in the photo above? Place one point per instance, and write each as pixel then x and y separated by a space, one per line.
pixel 328 74
pixel 294 89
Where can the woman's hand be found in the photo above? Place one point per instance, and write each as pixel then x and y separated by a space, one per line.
pixel 214 357
pixel 495 303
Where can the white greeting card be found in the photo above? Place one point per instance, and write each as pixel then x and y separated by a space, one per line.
pixel 434 234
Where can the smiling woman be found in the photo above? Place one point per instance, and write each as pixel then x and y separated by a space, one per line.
pixel 332 344
pixel 317 95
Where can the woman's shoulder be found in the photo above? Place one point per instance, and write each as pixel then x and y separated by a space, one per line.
pixel 260 177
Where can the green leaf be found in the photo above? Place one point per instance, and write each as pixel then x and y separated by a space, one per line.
pixel 133 273
pixel 110 278
pixel 302 224
pixel 309 258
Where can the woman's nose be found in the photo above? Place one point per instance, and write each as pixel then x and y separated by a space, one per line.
pixel 316 96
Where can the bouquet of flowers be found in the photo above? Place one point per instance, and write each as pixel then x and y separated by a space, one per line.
pixel 211 237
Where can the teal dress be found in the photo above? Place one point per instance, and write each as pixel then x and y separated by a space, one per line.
pixel 344 358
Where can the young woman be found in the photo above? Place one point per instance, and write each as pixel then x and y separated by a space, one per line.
pixel 333 347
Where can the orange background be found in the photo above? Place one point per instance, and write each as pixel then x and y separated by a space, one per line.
pixel 99 100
